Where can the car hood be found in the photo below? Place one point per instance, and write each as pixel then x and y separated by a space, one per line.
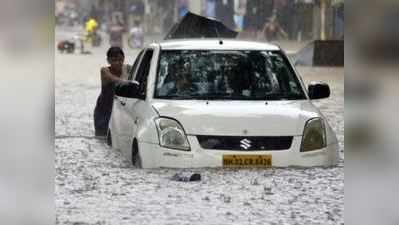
pixel 239 118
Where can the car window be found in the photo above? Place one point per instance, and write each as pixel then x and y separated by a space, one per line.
pixel 226 74
pixel 134 67
pixel 143 71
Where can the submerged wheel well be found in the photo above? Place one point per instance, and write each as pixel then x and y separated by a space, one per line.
pixel 135 144
pixel 135 148
pixel 136 159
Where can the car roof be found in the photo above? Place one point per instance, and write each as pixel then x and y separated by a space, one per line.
pixel 215 44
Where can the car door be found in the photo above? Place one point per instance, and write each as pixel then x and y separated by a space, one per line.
pixel 117 119
pixel 131 112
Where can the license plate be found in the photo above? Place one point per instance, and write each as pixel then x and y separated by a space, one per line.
pixel 247 160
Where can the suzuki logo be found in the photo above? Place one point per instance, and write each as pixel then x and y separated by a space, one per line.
pixel 245 144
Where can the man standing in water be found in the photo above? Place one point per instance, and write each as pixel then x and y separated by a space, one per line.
pixel 115 72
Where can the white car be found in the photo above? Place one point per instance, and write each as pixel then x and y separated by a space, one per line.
pixel 219 103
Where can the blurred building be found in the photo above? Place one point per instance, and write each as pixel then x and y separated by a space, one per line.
pixel 301 19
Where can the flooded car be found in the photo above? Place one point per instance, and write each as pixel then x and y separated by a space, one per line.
pixel 219 103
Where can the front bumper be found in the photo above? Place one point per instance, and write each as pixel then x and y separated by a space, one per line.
pixel 155 156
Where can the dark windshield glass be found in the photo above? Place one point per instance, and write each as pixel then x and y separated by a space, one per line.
pixel 226 75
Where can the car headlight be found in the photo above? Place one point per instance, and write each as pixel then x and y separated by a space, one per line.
pixel 314 135
pixel 171 134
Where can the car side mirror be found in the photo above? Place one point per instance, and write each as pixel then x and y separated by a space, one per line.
pixel 318 90
pixel 128 89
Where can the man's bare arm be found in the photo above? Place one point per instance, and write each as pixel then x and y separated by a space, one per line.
pixel 107 76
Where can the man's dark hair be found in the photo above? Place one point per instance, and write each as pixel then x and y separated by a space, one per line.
pixel 114 52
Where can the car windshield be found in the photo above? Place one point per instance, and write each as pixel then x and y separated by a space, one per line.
pixel 226 75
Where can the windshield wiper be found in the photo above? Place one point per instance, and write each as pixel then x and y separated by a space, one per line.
pixel 183 97
pixel 283 96
pixel 172 97
pixel 268 97
pixel 217 97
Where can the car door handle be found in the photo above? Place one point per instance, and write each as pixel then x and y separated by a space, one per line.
pixel 136 121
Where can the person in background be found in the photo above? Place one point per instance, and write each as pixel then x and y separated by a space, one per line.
pixel 115 72
pixel 239 10
pixel 136 35
pixel 91 27
pixel 116 31
pixel 272 29
pixel 250 23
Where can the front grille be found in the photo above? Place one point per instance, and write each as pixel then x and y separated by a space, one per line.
pixel 237 143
